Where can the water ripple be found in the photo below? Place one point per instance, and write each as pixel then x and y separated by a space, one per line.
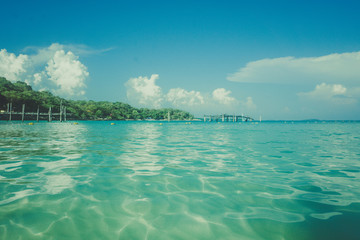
pixel 142 180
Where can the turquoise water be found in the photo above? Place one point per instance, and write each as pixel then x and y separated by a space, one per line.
pixel 143 180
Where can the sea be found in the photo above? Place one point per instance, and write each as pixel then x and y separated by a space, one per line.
pixel 180 180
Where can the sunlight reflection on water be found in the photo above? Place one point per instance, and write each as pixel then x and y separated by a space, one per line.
pixel 142 180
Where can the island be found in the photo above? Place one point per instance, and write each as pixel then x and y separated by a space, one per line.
pixel 20 93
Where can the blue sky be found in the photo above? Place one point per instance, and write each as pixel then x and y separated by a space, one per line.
pixel 278 59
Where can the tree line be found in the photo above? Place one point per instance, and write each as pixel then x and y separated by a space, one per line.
pixel 19 93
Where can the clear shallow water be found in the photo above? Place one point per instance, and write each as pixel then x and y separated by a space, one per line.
pixel 143 180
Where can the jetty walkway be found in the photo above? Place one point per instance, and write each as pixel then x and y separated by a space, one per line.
pixel 227 118
pixel 9 114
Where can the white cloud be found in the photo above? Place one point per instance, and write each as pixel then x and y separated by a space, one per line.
pixel 11 67
pixel 334 93
pixel 333 68
pixel 180 97
pixel 221 95
pixel 144 91
pixel 46 68
pixel 249 104
pixel 67 73
pixel 42 54
pixel 84 50
pixel 38 78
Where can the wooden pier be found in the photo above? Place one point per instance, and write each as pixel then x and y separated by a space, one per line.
pixel 227 118
pixel 49 116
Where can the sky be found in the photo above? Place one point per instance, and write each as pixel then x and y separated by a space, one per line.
pixel 287 60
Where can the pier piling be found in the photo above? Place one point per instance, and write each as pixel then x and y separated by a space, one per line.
pixel 23 113
pixel 227 118
pixel 10 114
pixel 37 114
pixel 10 110
pixel 50 117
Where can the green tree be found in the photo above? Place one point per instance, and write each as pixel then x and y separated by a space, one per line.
pixel 21 93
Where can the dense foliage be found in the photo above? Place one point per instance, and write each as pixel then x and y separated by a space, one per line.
pixel 21 93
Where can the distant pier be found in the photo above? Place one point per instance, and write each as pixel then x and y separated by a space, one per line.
pixel 227 118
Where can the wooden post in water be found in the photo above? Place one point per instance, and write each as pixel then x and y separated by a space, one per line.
pixel 23 113
pixel 61 111
pixel 65 114
pixel 37 114
pixel 50 117
pixel 10 108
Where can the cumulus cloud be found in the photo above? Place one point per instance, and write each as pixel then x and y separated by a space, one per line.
pixel 67 72
pixel 249 104
pixel 38 78
pixel 41 55
pixel 50 68
pixel 222 96
pixel 180 97
pixel 144 91
pixel 333 68
pixel 12 66
pixel 334 93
